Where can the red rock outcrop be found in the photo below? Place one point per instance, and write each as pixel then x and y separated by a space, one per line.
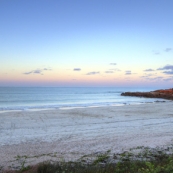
pixel 165 94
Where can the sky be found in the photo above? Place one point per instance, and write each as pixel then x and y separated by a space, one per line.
pixel 79 43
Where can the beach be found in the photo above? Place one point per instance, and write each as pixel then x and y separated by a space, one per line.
pixel 69 134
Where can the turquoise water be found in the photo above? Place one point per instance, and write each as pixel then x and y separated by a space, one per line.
pixel 29 98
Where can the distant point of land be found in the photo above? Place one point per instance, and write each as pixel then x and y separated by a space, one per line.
pixel 162 93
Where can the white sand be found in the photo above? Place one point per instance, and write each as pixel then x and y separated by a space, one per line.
pixel 72 133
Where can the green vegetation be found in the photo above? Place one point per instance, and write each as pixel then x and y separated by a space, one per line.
pixel 102 158
pixel 145 161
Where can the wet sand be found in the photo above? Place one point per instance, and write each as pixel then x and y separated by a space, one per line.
pixel 70 134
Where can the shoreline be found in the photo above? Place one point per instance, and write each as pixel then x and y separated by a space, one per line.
pixel 76 132
pixel 159 100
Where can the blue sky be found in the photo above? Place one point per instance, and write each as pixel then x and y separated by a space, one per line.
pixel 86 43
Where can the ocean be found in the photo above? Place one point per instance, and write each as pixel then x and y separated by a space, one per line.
pixel 37 98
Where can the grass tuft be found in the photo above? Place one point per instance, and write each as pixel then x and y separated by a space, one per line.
pixel 148 161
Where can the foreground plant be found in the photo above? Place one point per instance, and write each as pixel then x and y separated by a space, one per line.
pixel 146 161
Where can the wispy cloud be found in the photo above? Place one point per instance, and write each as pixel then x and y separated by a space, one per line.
pixel 127 78
pixel 168 49
pixel 77 69
pixel 37 71
pixel 34 72
pixel 147 75
pixel 168 72
pixel 158 78
pixel 156 52
pixel 128 72
pixel 47 69
pixel 114 69
pixel 168 79
pixel 151 78
pixel 109 72
pixel 168 69
pixel 93 73
pixel 113 63
pixel 148 70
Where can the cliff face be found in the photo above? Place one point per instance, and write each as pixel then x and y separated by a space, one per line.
pixel 165 94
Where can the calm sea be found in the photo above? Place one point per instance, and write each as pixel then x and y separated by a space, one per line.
pixel 31 98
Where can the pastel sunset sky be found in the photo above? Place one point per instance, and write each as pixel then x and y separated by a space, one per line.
pixel 86 43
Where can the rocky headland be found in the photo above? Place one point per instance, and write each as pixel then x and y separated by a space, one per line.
pixel 164 94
